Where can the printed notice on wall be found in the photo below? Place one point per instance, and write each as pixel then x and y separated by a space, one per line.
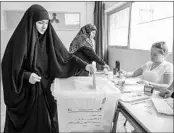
pixel 72 19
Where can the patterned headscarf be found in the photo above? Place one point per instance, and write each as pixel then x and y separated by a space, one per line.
pixel 82 38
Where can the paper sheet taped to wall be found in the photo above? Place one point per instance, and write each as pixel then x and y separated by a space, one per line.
pixel 81 108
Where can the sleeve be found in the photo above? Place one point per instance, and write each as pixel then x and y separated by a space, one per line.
pixel 27 75
pixel 168 69
pixel 92 55
pixel 145 66
pixel 81 63
pixel 46 84
pixel 172 95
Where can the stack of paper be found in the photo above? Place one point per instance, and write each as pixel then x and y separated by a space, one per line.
pixel 162 106
pixel 133 88
pixel 131 97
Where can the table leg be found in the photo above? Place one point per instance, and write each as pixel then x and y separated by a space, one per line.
pixel 114 123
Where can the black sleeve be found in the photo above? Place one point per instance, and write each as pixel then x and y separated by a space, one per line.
pixel 172 95
pixel 92 55
pixel 46 84
pixel 27 75
pixel 81 63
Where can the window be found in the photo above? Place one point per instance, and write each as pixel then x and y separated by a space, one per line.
pixel 151 22
pixel 118 27
pixel 141 24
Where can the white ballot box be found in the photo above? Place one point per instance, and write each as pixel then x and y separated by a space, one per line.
pixel 81 108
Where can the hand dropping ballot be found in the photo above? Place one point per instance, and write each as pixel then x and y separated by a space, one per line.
pixel 82 108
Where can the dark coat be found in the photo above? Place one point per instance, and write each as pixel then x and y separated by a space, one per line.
pixel 82 47
pixel 31 108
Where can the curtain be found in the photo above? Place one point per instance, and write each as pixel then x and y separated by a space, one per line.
pixel 101 47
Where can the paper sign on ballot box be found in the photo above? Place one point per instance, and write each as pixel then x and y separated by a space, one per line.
pixel 81 108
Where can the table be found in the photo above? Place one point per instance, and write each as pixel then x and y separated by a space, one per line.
pixel 143 117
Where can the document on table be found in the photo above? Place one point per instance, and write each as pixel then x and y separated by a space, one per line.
pixel 132 81
pixel 128 81
pixel 133 88
pixel 131 97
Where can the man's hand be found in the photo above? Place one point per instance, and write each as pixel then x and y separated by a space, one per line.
pixel 34 78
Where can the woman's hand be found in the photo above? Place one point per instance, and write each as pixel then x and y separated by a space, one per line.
pixel 106 66
pixel 91 68
pixel 143 82
pixel 123 72
pixel 162 89
pixel 34 78
pixel 165 94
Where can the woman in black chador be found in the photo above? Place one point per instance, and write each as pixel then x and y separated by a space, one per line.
pixel 34 56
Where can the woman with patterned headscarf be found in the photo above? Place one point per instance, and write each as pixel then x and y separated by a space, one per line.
pixel 83 46
pixel 34 56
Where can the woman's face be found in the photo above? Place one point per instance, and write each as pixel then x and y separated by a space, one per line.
pixel 42 26
pixel 92 34
pixel 156 56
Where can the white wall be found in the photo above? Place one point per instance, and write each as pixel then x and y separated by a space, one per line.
pixel 86 16
pixel 130 59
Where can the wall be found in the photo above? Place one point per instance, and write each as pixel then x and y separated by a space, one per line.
pixel 85 9
pixel 130 59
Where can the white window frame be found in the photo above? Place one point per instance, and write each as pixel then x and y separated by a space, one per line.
pixel 118 7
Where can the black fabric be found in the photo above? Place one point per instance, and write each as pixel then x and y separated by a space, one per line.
pixel 172 95
pixel 31 108
pixel 88 55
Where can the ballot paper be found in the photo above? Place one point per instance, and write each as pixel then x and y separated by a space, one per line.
pixel 129 85
pixel 132 97
pixel 93 75
pixel 127 81
pixel 133 88
pixel 94 80
pixel 81 108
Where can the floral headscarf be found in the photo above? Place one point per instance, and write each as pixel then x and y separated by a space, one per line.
pixel 82 38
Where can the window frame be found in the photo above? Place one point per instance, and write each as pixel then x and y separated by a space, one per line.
pixel 143 23
pixel 116 8
pixel 112 11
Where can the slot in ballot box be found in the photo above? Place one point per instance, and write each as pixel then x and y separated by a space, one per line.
pixel 81 108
